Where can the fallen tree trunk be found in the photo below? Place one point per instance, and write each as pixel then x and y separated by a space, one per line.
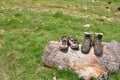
pixel 87 66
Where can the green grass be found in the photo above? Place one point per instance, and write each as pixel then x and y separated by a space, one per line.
pixel 26 27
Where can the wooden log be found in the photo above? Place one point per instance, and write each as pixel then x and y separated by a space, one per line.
pixel 87 66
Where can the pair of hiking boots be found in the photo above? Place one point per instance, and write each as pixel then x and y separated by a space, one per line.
pixel 66 42
pixel 71 42
pixel 97 43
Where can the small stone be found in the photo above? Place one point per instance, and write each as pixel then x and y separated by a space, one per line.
pixel 86 25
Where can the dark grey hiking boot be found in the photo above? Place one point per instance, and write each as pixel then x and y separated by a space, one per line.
pixel 87 43
pixel 98 47
pixel 63 43
pixel 73 43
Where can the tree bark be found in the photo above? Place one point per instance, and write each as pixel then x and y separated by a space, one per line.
pixel 87 66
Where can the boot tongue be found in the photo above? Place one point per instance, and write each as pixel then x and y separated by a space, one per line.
pixel 98 38
pixel 64 41
pixel 73 40
pixel 87 37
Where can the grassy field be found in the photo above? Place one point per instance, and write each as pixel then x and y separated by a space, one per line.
pixel 27 25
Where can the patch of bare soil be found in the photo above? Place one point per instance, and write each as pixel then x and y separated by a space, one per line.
pixel 2 31
pixel 73 11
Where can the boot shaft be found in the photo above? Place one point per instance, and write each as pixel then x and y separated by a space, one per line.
pixel 72 40
pixel 73 43
pixel 98 36
pixel 64 40
pixel 97 39
pixel 98 47
pixel 88 35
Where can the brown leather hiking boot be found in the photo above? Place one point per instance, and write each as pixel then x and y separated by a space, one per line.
pixel 98 47
pixel 63 43
pixel 73 43
pixel 86 45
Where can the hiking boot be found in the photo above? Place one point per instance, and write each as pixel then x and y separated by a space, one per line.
pixel 73 43
pixel 98 47
pixel 87 43
pixel 63 43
